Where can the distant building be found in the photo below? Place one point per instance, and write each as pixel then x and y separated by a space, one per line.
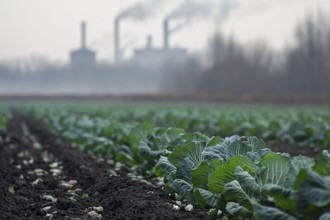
pixel 83 57
pixel 158 57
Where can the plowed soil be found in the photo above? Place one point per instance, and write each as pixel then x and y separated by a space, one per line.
pixel 43 177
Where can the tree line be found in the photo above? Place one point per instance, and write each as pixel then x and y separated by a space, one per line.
pixel 234 70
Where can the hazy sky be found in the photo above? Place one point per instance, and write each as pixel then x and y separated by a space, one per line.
pixel 52 27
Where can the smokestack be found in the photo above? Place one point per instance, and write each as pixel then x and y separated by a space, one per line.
pixel 149 42
pixel 166 34
pixel 83 35
pixel 117 40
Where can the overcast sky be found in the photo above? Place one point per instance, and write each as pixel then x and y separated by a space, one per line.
pixel 51 28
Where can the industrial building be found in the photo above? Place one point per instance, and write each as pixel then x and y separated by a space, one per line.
pixel 83 57
pixel 149 56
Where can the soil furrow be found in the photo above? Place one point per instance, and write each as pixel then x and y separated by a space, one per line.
pixel 52 180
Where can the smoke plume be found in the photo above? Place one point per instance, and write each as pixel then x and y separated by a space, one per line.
pixel 189 10
pixel 140 11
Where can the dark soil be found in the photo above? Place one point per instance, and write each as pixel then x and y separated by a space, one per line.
pixel 36 162
pixel 292 149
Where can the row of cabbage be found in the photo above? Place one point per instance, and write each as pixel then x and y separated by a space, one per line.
pixel 304 126
pixel 309 127
pixel 235 177
pixel 3 120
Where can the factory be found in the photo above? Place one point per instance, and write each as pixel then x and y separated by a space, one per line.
pixel 83 57
pixel 158 57
pixel 147 57
pixel 151 57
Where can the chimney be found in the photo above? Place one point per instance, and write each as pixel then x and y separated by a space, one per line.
pixel 166 34
pixel 83 35
pixel 149 42
pixel 117 40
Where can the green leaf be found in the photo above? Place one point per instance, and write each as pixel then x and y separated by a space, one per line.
pixel 314 190
pixel 214 141
pixel 238 148
pixel 302 162
pixel 248 183
pixel 85 195
pixel 199 198
pixel 226 172
pixel 261 212
pixel 214 165
pixel 11 189
pixel 325 216
pixel 185 169
pixel 171 134
pixel 221 150
pixel 243 189
pixel 186 158
pixel 200 176
pixel 146 153
pixel 298 163
pixel 204 197
pixel 284 198
pixel 164 167
pixel 191 150
pixel 236 210
pixel 235 193
pixel 274 169
pixel 140 133
pixel 196 137
pixel 184 189
pixel 255 143
pixel 322 165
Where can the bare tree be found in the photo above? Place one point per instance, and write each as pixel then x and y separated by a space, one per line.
pixel 308 62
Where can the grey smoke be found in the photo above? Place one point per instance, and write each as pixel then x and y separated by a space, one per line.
pixel 141 10
pixel 225 9
pixel 190 10
pixel 186 12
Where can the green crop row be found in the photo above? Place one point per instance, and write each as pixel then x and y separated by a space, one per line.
pixel 240 178
pixel 245 180
pixel 3 121
pixel 308 127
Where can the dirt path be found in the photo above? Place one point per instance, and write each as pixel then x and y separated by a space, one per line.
pixel 43 177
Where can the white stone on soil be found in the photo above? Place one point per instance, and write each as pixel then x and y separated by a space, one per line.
pixel 46 156
pixel 72 192
pixel 31 161
pixel 98 209
pixel 38 172
pixel 23 154
pixel 179 203
pixel 176 208
pixel 50 216
pixel 36 182
pixel 189 208
pixel 94 215
pixel 46 209
pixel 53 165
pixel 68 184
pixel 55 172
pixel 50 198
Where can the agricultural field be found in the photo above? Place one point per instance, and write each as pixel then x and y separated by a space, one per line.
pixel 165 161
